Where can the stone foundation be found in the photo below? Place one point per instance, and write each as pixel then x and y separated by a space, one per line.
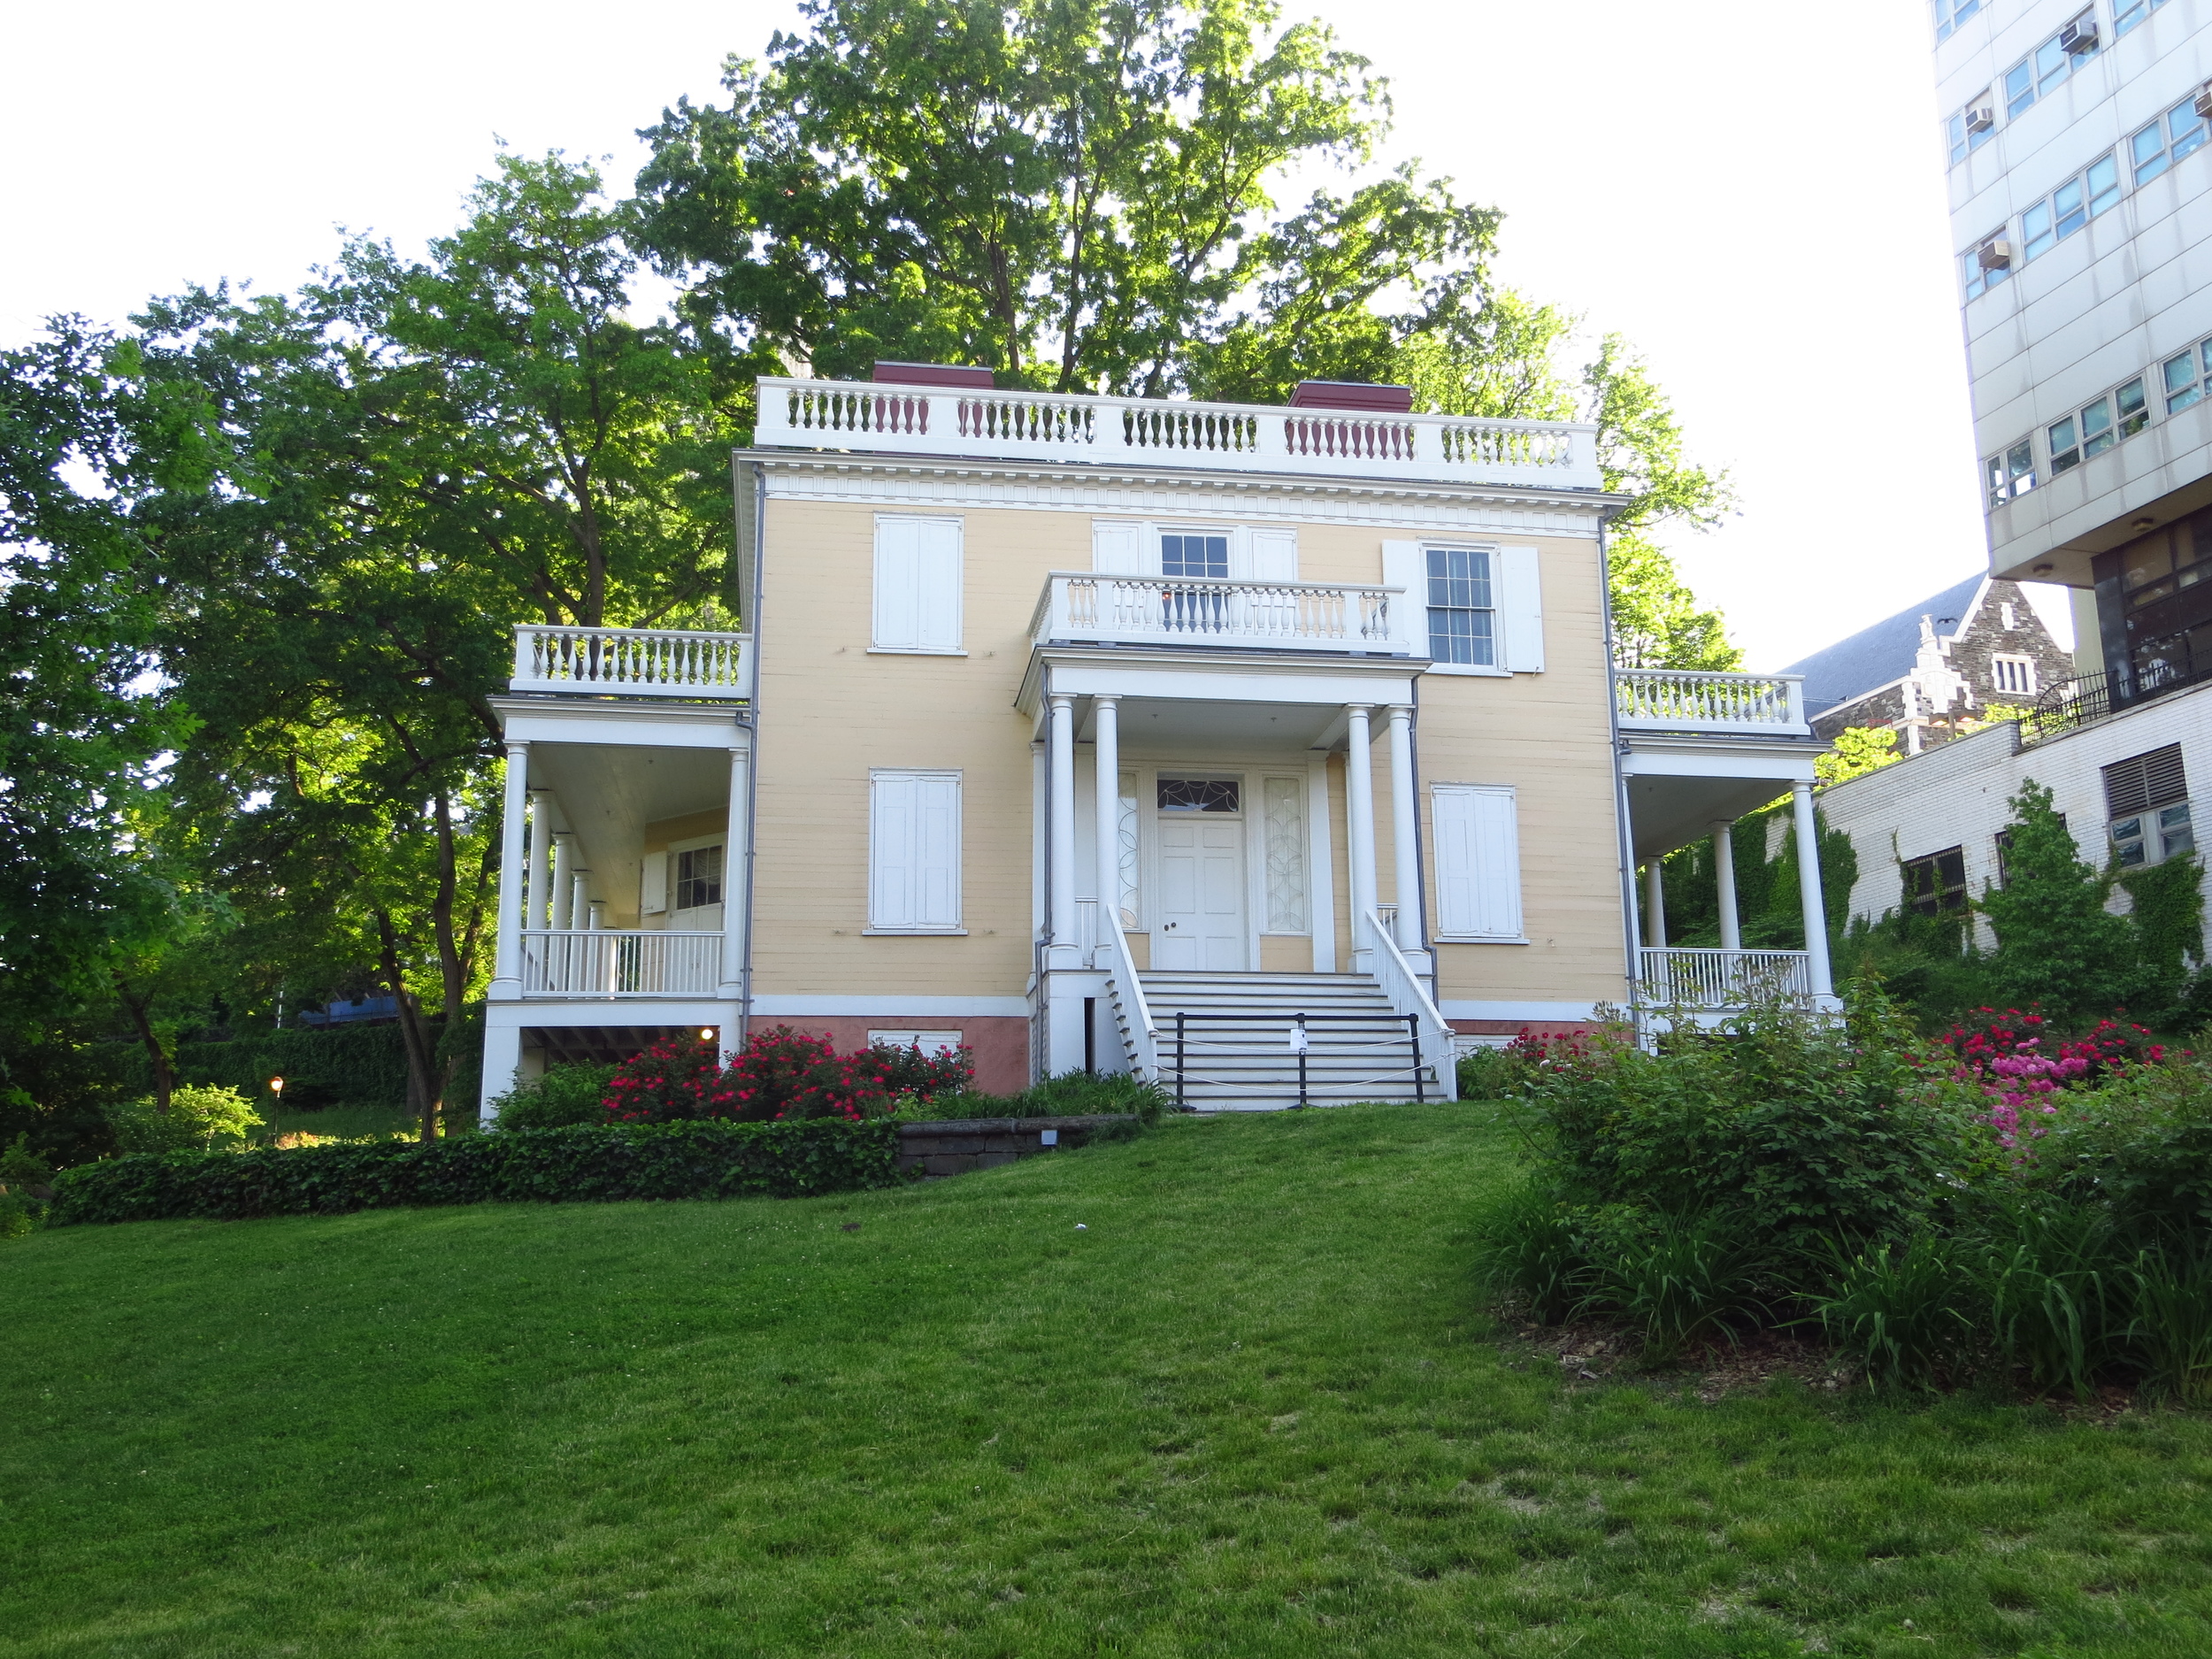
pixel 955 1147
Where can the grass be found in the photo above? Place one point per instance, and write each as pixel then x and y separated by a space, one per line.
pixel 1249 1408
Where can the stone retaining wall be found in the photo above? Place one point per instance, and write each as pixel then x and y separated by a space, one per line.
pixel 955 1147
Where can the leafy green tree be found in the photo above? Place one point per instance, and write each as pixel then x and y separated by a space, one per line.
pixel 2057 944
pixel 1857 750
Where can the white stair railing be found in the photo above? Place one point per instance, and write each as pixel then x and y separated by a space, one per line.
pixel 1083 606
pixel 631 662
pixel 1409 997
pixel 1141 1036
pixel 1706 979
pixel 619 962
pixel 1680 700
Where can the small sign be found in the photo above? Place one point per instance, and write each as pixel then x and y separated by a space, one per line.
pixel 1048 1137
pixel 1297 1040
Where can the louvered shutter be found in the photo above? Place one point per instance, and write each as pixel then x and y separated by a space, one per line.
pixel 937 560
pixel 917 584
pixel 1116 548
pixel 1477 860
pixel 653 885
pixel 1274 554
pixel 2143 782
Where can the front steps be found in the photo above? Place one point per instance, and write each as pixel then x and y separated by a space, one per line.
pixel 1245 1062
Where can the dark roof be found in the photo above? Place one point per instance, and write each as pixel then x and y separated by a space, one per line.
pixel 1877 656
pixel 1387 400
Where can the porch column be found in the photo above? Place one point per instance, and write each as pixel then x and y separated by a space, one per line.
pixel 1656 903
pixel 1359 811
pixel 541 855
pixel 1106 715
pixel 579 895
pixel 598 915
pixel 507 960
pixel 736 893
pixel 1725 877
pixel 1060 739
pixel 1809 890
pixel 564 880
pixel 1405 841
pixel 503 1065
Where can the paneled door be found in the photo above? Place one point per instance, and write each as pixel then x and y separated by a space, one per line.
pixel 1200 923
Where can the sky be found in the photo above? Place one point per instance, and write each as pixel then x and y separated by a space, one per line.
pixel 1750 192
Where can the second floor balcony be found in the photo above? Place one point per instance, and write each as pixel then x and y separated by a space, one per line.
pixel 1661 700
pixel 631 662
pixel 1088 608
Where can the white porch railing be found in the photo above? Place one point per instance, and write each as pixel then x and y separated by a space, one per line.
pixel 1722 979
pixel 619 962
pixel 631 662
pixel 1140 1036
pixel 866 415
pixel 1676 699
pixel 1081 607
pixel 1409 995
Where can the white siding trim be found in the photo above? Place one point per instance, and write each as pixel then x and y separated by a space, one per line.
pixel 1477 863
pixel 913 851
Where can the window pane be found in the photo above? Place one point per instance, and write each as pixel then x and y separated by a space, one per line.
pixel 2019 88
pixel 2052 62
pixel 2133 416
pixel 2186 127
pixel 2035 230
pixel 2066 204
pixel 2104 184
pixel 2148 148
pixel 2064 452
pixel 2096 429
pixel 2175 835
pixel 2021 463
pixel 1955 131
pixel 2181 380
pixel 1198 794
pixel 2130 13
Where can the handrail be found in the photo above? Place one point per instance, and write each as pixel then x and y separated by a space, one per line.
pixel 609 962
pixel 1013 424
pixel 1675 699
pixel 1409 997
pixel 1124 607
pixel 633 661
pixel 1702 977
pixel 1143 1045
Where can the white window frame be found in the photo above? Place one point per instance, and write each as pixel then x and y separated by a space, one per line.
pixel 2194 385
pixel 2047 67
pixel 2021 668
pixel 889 638
pixel 877 867
pixel 2169 142
pixel 1950 14
pixel 1516 603
pixel 675 852
pixel 2126 14
pixel 2002 473
pixel 1257 552
pixel 2069 208
pixel 930 1042
pixel 1451 927
pixel 1958 140
pixel 1979 281
pixel 2102 423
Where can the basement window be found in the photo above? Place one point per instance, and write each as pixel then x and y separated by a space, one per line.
pixel 1936 882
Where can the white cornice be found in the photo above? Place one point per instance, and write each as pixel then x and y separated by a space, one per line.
pixel 1139 491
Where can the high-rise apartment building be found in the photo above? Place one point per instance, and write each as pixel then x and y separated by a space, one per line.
pixel 2081 206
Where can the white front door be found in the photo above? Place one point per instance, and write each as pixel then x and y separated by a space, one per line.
pixel 1200 923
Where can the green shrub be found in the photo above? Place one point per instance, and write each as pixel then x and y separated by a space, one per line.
pixel 2141 1145
pixel 1489 1074
pixel 561 1098
pixel 2056 1283
pixel 200 1118
pixel 709 1159
pixel 1902 1307
pixel 1679 1280
pixel 2171 1329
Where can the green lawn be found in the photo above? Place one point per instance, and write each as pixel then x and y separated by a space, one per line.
pixel 1250 1408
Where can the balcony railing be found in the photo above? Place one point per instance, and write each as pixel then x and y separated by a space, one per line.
pixel 1674 700
pixel 619 962
pixel 631 662
pixel 1081 607
pixel 874 416
pixel 1722 979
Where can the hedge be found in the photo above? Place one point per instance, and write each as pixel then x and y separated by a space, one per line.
pixel 711 1159
pixel 332 1066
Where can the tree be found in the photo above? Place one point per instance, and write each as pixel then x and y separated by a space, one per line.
pixel 2057 944
pixel 1857 750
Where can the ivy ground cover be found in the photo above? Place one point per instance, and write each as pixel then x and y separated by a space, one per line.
pixel 1249 1406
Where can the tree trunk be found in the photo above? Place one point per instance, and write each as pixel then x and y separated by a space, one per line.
pixel 165 1079
pixel 422 1090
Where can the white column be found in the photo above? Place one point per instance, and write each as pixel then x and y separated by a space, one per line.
pixel 1656 903
pixel 1809 890
pixel 541 855
pixel 598 917
pixel 1405 842
pixel 1359 811
pixel 564 878
pixel 1725 877
pixel 503 1061
pixel 1060 736
pixel 507 960
pixel 579 895
pixel 1107 718
pixel 735 919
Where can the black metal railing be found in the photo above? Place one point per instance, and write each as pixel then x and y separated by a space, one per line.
pixel 2088 698
pixel 1298 1045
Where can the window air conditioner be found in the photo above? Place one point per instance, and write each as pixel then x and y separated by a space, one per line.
pixel 1994 254
pixel 2204 101
pixel 1981 118
pixel 2077 38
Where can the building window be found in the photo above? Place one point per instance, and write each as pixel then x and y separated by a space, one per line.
pixel 2004 853
pixel 2012 675
pixel 2040 74
pixel 2188 376
pixel 1950 14
pixel 1964 134
pixel 1462 617
pixel 1980 278
pixel 1937 882
pixel 927 1042
pixel 913 852
pixel 698 878
pixel 2167 140
pixel 2147 798
pixel 2098 427
pixel 2011 473
pixel 1195 556
pixel 2128 14
pixel 2096 190
pixel 917 585
pixel 1200 795
pixel 2009 616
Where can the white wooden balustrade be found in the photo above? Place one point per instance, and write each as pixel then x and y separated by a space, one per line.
pixel 1081 606
pixel 868 415
pixel 1679 700
pixel 631 662
pixel 1408 994
pixel 619 962
pixel 1723 978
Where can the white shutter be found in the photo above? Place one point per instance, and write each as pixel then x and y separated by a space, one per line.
pixel 1116 548
pixel 1274 553
pixel 652 891
pixel 917 584
pixel 1521 610
pixel 914 851
pixel 1477 860
pixel 1404 565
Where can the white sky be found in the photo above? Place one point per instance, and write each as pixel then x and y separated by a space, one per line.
pixel 1750 191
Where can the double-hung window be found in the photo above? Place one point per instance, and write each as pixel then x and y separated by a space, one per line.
pixel 1962 134
pixel 2178 133
pixel 2098 427
pixel 2127 13
pixel 1463 615
pixel 2094 190
pixel 2039 75
pixel 1950 14
pixel 1195 556
pixel 1981 278
pixel 2187 377
pixel 2147 798
pixel 2010 474
pixel 698 878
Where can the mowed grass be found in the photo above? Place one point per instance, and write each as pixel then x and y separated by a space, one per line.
pixel 1251 1408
